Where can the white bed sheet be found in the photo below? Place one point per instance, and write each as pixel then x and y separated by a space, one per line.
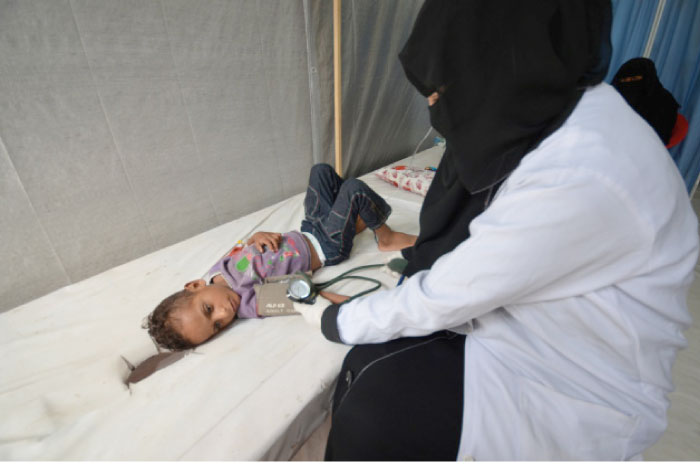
pixel 254 393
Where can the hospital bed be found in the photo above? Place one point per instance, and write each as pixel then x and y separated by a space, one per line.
pixel 255 392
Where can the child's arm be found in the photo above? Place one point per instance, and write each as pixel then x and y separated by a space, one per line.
pixel 271 240
pixel 334 297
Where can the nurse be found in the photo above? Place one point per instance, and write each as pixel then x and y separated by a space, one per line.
pixel 546 293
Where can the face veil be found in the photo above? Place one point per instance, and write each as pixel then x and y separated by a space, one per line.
pixel 508 74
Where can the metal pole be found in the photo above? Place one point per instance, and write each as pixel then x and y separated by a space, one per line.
pixel 338 89
pixel 654 28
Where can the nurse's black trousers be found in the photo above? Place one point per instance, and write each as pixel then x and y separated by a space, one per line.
pixel 399 400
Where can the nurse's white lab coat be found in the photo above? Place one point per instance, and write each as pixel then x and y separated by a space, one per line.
pixel 575 281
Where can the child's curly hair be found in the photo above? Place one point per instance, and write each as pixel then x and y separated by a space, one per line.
pixel 160 326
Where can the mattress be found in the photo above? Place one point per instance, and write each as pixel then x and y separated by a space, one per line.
pixel 255 392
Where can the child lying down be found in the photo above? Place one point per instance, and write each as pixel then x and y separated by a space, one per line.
pixel 335 211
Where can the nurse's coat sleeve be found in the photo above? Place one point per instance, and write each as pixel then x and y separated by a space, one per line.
pixel 561 233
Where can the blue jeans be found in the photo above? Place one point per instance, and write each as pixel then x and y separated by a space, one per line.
pixel 331 208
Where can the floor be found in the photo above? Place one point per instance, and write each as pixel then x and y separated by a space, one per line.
pixel 681 442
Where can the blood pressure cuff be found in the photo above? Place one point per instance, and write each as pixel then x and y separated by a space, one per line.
pixel 272 297
pixel 329 323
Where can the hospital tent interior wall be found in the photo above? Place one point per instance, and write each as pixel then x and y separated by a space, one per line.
pixel 127 126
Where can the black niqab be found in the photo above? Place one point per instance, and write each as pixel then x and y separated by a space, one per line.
pixel 508 73
pixel 638 83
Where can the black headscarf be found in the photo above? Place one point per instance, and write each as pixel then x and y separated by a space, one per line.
pixel 508 73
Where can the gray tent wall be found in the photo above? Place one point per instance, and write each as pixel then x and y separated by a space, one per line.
pixel 127 126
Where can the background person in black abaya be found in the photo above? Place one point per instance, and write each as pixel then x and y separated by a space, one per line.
pixel 557 233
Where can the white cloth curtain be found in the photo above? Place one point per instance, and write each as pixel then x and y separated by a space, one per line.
pixel 129 126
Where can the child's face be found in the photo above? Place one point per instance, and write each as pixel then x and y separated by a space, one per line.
pixel 211 308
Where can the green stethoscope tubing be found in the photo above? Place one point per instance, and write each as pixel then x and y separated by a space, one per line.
pixel 323 285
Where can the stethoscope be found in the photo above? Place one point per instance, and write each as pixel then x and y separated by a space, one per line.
pixel 302 290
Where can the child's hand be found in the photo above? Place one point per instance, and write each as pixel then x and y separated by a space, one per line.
pixel 271 240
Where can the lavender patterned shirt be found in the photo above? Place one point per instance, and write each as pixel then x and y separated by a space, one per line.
pixel 244 268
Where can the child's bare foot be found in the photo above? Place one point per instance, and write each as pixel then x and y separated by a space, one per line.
pixel 391 240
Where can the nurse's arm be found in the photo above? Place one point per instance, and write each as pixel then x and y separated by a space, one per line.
pixel 536 242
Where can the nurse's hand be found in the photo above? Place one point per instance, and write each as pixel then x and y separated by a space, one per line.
pixel 334 297
pixel 394 264
pixel 312 313
pixel 433 98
